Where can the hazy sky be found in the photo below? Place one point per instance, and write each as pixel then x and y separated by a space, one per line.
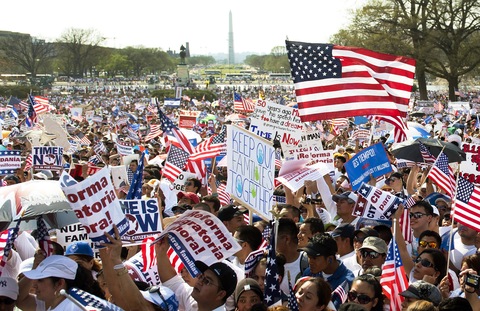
pixel 258 25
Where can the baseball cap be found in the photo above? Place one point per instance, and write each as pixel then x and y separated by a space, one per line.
pixel 246 285
pixel 161 296
pixel 368 231
pixel 424 291
pixel 79 248
pixel 344 231
pixel 345 195
pixel 153 182
pixel 375 244
pixel 9 288
pixel 226 213
pixel 55 265
pixel 225 274
pixel 316 249
pixel 189 195
pixel 447 202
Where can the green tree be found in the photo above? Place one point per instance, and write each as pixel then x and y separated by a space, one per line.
pixel 117 64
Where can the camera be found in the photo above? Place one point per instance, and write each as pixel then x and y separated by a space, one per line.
pixel 472 280
pixel 308 199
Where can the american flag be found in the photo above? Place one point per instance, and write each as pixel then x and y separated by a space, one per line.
pixel 278 158
pixel 426 155
pixel 132 134
pixel 404 220
pixel 442 174
pixel 28 163
pixel 361 134
pixel 44 241
pixel 340 122
pixel 339 294
pixel 467 204
pixel 223 195
pixel 242 104
pixel 252 259
pixel 89 300
pixel 155 131
pixel 175 162
pixel 31 118
pixel 273 293
pixel 94 160
pixel 176 262
pixel 40 104
pixel 399 127
pixel 100 148
pixel 16 103
pixel 292 300
pixel 135 190
pixel 152 106
pixel 393 280
pixel 7 238
pixel 334 81
pixel 438 106
pixel 211 147
pixel 148 253
pixel 82 139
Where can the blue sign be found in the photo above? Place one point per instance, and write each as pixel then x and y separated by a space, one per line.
pixel 370 161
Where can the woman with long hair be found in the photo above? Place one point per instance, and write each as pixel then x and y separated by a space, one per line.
pixel 366 291
pixel 313 294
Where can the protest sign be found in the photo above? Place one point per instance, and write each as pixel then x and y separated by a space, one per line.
pixel 47 158
pixel 274 121
pixel 76 112
pixel 179 183
pixel 200 235
pixel 134 266
pixel 370 161
pixel 96 206
pixel 73 233
pixel 143 217
pixel 470 169
pixel 89 115
pixel 188 119
pixel 296 179
pixel 383 202
pixel 251 170
pixel 10 161
pixel 119 176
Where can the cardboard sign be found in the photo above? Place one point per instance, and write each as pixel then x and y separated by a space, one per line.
pixel 200 235
pixel 251 170
pixel 47 158
pixel 370 161
pixel 187 122
pixel 384 202
pixel 10 161
pixel 143 217
pixel 96 206
pixel 74 233
pixel 270 121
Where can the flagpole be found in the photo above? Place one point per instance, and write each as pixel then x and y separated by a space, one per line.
pixel 436 159
pixel 372 129
pixel 453 217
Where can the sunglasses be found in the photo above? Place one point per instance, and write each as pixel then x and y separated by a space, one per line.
pixel 424 262
pixel 370 254
pixel 417 215
pixel 363 299
pixel 7 301
pixel 429 244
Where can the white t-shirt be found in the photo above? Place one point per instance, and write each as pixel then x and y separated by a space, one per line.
pixel 65 305
pixel 294 268
pixel 461 251
pixel 350 261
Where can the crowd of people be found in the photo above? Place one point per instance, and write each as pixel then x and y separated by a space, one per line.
pixel 327 256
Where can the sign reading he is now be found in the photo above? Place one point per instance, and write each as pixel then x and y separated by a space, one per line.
pixel 47 158
pixel 144 219
pixel 96 205
pixel 251 170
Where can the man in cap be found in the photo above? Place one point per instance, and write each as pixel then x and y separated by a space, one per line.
pixel 421 290
pixel 213 286
pixel 189 198
pixel 321 251
pixel 8 293
pixel 354 263
pixel 343 236
pixel 372 254
pixel 232 217
pixel 345 203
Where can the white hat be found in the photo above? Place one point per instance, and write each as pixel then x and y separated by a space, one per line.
pixel 55 265
pixel 26 265
pixel 435 210
pixel 8 288
pixel 40 176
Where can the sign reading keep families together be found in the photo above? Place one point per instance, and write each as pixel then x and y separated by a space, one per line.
pixel 251 170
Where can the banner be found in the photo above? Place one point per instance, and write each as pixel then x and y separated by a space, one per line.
pixel 47 158
pixel 296 179
pixel 385 203
pixel 251 170
pixel 470 169
pixel 143 217
pixel 200 235
pixel 96 205
pixel 370 161
pixel 274 121
pixel 171 102
pixel 187 122
pixel 10 161
pixel 73 233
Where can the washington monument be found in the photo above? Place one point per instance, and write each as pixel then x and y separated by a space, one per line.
pixel 231 52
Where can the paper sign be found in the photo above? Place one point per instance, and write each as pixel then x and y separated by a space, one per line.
pixel 179 183
pixel 10 161
pixel 295 180
pixel 74 233
pixel 47 158
pixel 385 203
pixel 119 176
pixel 470 169
pixel 96 206
pixel 251 170
pixel 370 161
pixel 200 235
pixel 143 217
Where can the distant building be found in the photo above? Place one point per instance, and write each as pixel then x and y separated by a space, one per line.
pixel 231 51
